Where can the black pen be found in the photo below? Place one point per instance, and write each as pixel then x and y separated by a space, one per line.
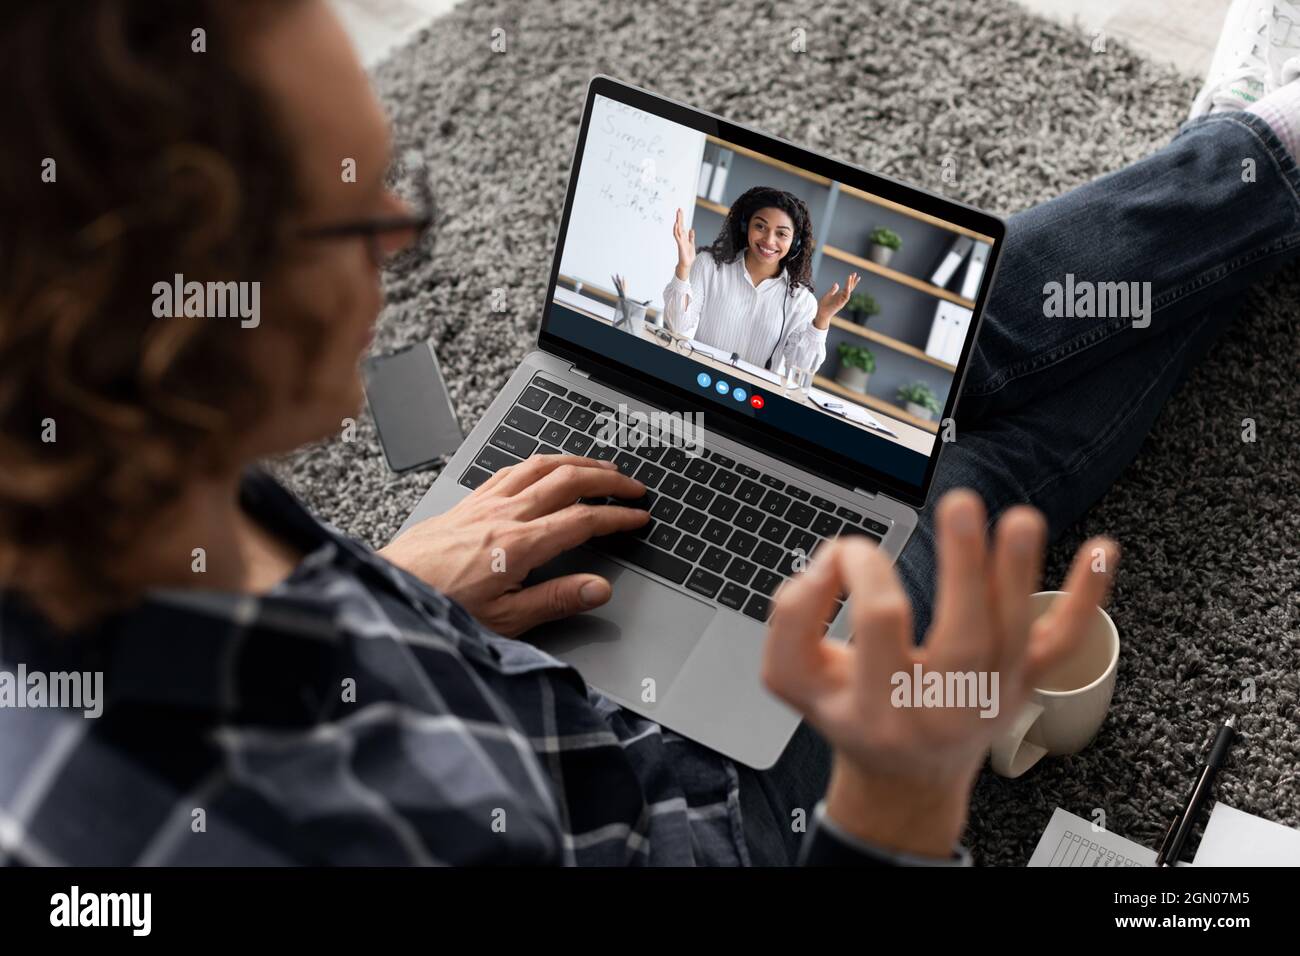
pixel 1181 828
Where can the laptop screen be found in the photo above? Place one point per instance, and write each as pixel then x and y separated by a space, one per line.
pixel 802 305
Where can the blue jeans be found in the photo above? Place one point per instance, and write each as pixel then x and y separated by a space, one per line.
pixel 1054 409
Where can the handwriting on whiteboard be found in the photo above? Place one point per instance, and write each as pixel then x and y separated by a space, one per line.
pixel 633 156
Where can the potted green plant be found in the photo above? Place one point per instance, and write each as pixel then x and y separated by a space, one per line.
pixel 919 400
pixel 856 365
pixel 861 307
pixel 884 243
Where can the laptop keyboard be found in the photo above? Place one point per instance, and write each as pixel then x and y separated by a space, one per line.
pixel 719 528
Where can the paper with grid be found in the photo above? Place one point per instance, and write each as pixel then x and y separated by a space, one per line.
pixel 1073 841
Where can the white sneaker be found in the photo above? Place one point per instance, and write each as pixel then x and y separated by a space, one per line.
pixel 1283 52
pixel 1239 73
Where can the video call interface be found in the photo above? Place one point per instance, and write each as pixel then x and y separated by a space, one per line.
pixel 809 305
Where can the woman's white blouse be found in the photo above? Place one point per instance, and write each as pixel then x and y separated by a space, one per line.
pixel 723 308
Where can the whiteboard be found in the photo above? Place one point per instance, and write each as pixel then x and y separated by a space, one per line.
pixel 636 171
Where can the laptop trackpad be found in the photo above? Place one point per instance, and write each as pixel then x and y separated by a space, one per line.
pixel 645 632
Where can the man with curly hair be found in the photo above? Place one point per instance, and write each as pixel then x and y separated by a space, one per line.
pixel 324 703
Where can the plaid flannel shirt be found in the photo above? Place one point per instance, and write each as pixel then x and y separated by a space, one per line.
pixel 352 715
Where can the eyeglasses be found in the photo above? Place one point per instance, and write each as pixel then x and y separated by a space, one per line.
pixel 673 340
pixel 395 243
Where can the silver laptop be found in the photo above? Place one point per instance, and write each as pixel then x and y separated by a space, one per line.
pixel 751 462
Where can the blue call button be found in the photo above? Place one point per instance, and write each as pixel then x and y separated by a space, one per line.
pixel 722 387
pixel 704 380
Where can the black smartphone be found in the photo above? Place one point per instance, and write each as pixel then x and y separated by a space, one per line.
pixel 413 413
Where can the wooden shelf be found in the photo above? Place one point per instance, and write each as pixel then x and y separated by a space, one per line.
pixel 913 214
pixel 895 276
pixel 768 160
pixel 879 404
pixel 889 342
pixel 712 206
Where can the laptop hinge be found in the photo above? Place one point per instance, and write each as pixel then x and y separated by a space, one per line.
pixel 864 493
pixel 580 372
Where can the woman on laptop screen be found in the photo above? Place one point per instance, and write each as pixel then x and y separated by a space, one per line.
pixel 750 292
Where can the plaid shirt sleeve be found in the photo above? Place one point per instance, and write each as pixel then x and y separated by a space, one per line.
pixel 350 716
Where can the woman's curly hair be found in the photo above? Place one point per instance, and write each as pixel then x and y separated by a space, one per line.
pixel 130 157
pixel 733 237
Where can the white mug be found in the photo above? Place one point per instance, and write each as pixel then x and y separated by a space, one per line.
pixel 1069 706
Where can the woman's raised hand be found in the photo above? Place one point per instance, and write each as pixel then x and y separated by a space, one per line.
pixel 685 240
pixel 834 300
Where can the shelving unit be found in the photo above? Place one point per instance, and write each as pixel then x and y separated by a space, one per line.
pixel 769 161
pixel 912 213
pixel 851 191
pixel 894 275
pixel 889 342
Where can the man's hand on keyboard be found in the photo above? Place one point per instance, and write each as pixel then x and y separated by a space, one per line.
pixel 902 776
pixel 481 550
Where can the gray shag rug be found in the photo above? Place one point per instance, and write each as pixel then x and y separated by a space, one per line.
pixel 1206 600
